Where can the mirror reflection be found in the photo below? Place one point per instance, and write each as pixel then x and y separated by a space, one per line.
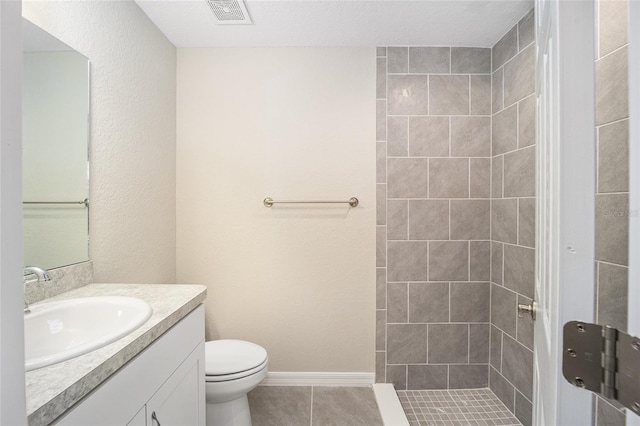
pixel 55 97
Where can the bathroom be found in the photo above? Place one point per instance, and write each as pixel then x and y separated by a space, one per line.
pixel 186 142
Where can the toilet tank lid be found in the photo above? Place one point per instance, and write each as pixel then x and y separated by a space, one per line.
pixel 232 356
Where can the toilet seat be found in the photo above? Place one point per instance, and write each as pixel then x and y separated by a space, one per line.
pixel 233 359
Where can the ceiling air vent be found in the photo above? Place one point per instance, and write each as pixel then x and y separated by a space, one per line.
pixel 229 12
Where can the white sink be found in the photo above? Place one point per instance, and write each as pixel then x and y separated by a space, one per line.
pixel 58 331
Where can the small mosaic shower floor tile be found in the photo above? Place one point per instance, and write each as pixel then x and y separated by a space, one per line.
pixel 459 407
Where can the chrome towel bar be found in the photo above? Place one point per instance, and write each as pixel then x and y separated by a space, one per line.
pixel 85 202
pixel 268 202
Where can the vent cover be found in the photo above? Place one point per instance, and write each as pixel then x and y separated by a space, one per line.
pixel 229 12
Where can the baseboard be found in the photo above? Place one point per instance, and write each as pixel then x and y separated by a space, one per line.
pixel 277 378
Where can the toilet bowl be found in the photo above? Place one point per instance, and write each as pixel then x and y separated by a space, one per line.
pixel 232 369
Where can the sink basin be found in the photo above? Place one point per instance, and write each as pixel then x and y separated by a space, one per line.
pixel 58 331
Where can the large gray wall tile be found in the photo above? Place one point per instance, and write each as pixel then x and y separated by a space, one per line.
pixel 468 376
pixel 398 58
pixel 470 60
pixel 428 302
pixel 397 374
pixel 407 94
pixel 427 377
pixel 470 302
pixel 505 49
pixel 480 94
pixel 496 262
pixel 381 288
pixel 470 136
pixel 381 51
pixel 613 297
pixel 381 204
pixel 470 219
pixel 381 246
pixel 495 348
pixel 497 164
pixel 429 136
pixel 608 415
pixel 611 34
pixel 448 344
pixel 429 219
pixel 520 173
pixel 502 388
pixel 526 30
pixel 381 78
pixel 519 76
pixel 519 269
pixel 397 219
pixel 407 261
pixel 479 260
pixel 397 136
pixel 612 87
pixel 448 261
pixel 479 343
pixel 429 60
pixel 527 121
pixel 407 177
pixel 504 217
pixel 480 178
pixel 449 94
pixel 448 178
pixel 612 228
pixel 406 344
pixel 280 405
pixel 503 309
pixel 381 370
pixel 381 162
pixel 497 94
pixel 381 331
pixel 345 405
pixel 397 306
pixel 613 157
pixel 524 410
pixel 527 222
pixel 381 120
pixel 504 131
pixel 517 366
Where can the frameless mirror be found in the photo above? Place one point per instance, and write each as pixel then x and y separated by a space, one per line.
pixel 55 114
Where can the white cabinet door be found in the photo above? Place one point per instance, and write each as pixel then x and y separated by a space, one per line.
pixel 180 399
pixel 140 418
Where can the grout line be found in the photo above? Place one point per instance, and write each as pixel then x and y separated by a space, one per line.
pixel 612 52
pixel 311 413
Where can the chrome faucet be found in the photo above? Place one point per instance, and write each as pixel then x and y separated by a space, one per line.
pixel 28 273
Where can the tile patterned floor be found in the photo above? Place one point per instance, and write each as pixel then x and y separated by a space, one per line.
pixel 464 407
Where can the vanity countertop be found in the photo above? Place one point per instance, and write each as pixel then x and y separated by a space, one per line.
pixel 54 389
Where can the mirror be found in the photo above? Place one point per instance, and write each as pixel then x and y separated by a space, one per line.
pixel 55 113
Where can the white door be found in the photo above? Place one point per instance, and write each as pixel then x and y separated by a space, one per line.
pixel 634 178
pixel 565 200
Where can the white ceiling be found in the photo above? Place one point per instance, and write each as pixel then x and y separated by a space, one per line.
pixel 480 23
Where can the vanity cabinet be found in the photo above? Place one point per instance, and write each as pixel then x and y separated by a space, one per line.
pixel 163 385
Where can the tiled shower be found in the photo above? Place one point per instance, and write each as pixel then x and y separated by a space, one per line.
pixel 456 216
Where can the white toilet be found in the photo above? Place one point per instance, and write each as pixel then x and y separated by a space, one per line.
pixel 232 368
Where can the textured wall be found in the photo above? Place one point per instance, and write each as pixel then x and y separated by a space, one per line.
pixel 513 216
pixel 612 197
pixel 133 137
pixel 433 222
pixel 290 124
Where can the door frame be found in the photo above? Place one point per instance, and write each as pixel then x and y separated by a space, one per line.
pixel 572 203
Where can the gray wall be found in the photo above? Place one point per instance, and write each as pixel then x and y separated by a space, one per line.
pixel 513 216
pixel 612 197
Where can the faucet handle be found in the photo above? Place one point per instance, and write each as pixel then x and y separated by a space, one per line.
pixel 40 274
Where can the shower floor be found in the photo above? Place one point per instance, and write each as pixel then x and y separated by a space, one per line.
pixel 455 407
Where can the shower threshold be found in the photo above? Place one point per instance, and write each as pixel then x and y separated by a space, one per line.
pixel 459 407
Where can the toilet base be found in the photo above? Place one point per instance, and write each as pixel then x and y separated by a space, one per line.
pixel 232 413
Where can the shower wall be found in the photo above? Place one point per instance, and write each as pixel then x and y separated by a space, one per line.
pixel 513 104
pixel 434 221
pixel 456 216
pixel 612 195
